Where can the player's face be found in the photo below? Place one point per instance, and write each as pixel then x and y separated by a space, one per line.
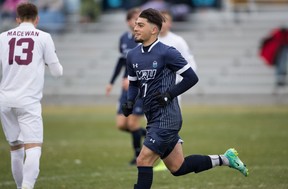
pixel 131 22
pixel 143 30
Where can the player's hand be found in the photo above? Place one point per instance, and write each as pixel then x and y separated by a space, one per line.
pixel 108 89
pixel 127 108
pixel 125 84
pixel 163 98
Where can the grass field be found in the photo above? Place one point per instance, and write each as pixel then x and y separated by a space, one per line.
pixel 83 149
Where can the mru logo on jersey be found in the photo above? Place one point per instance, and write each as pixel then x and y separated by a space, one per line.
pixel 147 74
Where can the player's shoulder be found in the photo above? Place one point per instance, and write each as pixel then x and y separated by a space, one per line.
pixel 43 33
pixel 4 33
pixel 163 47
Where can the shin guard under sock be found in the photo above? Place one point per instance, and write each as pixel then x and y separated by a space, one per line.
pixel 194 163
pixel 145 178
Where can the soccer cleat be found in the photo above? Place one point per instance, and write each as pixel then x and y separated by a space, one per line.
pixel 160 166
pixel 234 161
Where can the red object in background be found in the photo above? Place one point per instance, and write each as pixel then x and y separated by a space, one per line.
pixel 272 44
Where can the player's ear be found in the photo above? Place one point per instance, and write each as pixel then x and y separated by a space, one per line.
pixel 155 29
pixel 18 20
pixel 36 21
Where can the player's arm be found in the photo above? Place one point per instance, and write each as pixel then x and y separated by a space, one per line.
pixel 133 90
pixel 51 58
pixel 177 63
pixel 189 80
pixel 55 69
pixel 120 64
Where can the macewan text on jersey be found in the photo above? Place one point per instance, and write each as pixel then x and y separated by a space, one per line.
pixel 22 33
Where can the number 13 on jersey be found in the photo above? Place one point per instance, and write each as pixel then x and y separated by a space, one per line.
pixel 26 45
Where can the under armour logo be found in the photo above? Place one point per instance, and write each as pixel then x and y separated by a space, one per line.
pixel 135 65
pixel 152 140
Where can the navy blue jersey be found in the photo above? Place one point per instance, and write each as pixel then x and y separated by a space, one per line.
pixel 127 43
pixel 155 71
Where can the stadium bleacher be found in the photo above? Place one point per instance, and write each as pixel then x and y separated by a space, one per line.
pixel 225 45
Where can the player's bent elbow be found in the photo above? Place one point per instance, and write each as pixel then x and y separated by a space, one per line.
pixel 56 70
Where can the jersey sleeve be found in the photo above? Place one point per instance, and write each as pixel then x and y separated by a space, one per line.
pixel 133 82
pixel 175 61
pixel 120 64
pixel 50 55
pixel 56 69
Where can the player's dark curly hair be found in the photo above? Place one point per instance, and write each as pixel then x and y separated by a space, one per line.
pixel 153 16
pixel 27 11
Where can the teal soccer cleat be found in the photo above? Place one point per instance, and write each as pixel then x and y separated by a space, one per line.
pixel 234 161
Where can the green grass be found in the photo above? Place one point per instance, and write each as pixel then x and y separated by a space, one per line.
pixel 83 149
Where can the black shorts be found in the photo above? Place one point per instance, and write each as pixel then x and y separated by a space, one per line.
pixel 161 141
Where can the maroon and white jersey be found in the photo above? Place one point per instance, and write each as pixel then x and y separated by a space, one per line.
pixel 24 51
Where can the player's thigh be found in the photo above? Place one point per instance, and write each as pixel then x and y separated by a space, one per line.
pixel 31 123
pixel 175 159
pixel 134 122
pixel 146 157
pixel 10 124
pixel 121 121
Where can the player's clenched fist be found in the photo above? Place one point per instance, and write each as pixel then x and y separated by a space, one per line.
pixel 127 108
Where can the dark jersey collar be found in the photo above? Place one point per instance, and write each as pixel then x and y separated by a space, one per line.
pixel 149 48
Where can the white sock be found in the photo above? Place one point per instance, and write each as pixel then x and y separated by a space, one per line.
pixel 215 159
pixel 31 167
pixel 17 159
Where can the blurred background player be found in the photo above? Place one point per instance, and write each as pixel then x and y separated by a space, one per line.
pixel 24 51
pixel 171 39
pixel 132 123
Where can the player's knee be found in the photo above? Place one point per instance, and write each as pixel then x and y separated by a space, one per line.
pixel 16 145
pixel 180 171
pixel 122 127
pixel 142 161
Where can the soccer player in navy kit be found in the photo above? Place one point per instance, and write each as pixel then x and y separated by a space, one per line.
pixel 152 68
pixel 130 124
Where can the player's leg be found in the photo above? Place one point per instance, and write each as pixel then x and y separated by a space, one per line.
pixel 137 132
pixel 145 162
pixel 31 125
pixel 198 163
pixel 17 160
pixel 158 142
pixel 12 132
pixel 31 165
pixel 122 123
pixel 178 165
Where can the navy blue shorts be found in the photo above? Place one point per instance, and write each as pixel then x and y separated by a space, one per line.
pixel 161 141
pixel 138 106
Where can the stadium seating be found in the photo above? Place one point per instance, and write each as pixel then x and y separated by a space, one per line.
pixel 225 46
